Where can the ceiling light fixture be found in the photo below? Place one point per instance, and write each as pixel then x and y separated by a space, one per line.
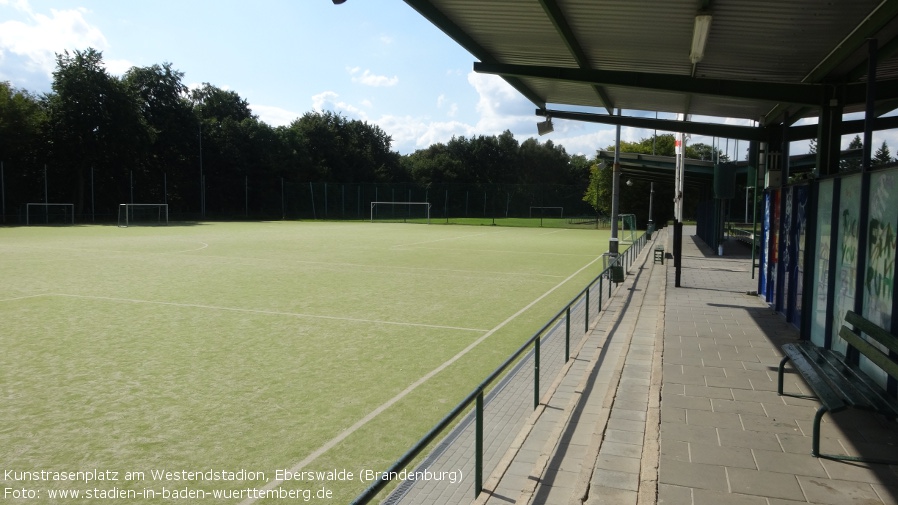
pixel 700 37
pixel 544 127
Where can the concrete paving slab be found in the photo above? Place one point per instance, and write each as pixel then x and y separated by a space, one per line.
pixel 682 407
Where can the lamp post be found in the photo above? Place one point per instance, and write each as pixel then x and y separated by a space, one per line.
pixel 651 224
pixel 613 249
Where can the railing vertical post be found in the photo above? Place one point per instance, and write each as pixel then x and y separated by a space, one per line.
pixel 478 442
pixel 536 373
pixel 600 294
pixel 609 284
pixel 567 335
pixel 586 315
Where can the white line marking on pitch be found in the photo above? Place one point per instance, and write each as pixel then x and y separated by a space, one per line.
pixel 264 312
pixel 21 298
pixel 374 413
pixel 200 248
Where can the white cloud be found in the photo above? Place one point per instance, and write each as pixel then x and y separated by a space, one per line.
pixel 500 106
pixel 117 67
pixel 328 100
pixel 38 37
pixel 410 133
pixel 274 116
pixel 369 79
pixel 451 110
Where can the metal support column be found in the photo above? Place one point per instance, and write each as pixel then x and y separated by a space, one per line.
pixel 613 243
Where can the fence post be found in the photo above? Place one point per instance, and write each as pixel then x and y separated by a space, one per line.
pixel 478 442
pixel 536 372
pixel 586 315
pixel 600 294
pixel 609 283
pixel 567 335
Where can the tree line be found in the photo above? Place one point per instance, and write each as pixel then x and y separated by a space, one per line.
pixel 98 140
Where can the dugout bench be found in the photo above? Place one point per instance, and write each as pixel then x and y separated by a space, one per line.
pixel 839 383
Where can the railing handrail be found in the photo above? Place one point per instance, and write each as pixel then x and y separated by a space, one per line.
pixel 419 446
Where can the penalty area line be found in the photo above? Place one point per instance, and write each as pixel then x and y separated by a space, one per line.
pixel 389 403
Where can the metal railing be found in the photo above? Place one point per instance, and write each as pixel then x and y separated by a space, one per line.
pixel 476 397
pixel 747 236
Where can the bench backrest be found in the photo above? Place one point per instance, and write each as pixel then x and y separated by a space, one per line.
pixel 873 353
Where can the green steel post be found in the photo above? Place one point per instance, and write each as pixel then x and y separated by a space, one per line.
pixel 586 316
pixel 609 284
pixel 567 335
pixel 478 456
pixel 536 373
pixel 600 294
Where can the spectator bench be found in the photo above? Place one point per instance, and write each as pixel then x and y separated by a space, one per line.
pixel 839 383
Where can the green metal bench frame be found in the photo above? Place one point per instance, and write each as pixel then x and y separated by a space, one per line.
pixel 840 384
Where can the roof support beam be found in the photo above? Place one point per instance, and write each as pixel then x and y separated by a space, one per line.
pixel 759 133
pixel 801 94
pixel 807 132
pixel 567 35
pixel 671 125
pixel 873 23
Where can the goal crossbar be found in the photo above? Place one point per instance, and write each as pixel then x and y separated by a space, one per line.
pixel 126 213
pixel 426 206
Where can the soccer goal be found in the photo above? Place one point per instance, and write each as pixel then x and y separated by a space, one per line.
pixel 142 214
pixel 49 213
pixel 627 223
pixel 400 211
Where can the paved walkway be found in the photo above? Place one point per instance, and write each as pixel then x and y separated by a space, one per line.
pixel 671 399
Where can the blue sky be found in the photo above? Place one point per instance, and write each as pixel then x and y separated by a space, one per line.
pixel 374 60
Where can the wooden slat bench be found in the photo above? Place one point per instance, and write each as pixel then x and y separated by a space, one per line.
pixel 839 384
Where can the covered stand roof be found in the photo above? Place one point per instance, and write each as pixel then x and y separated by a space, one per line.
pixel 770 61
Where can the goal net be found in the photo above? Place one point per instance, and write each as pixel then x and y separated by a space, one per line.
pixel 401 212
pixel 142 214
pixel 49 213
pixel 627 226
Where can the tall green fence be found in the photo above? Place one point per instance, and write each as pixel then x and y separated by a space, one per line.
pixel 229 197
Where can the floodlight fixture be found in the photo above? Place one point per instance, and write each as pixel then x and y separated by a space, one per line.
pixel 338 2
pixel 629 182
pixel 544 127
pixel 700 37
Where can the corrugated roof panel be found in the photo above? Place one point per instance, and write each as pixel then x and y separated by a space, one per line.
pixel 761 40
pixel 776 40
pixel 613 34
pixel 526 37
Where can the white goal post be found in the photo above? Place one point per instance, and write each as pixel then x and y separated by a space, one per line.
pixel 49 213
pixel 628 223
pixel 142 214
pixel 424 211
pixel 553 211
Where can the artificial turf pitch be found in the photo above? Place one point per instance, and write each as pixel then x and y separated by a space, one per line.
pixel 248 348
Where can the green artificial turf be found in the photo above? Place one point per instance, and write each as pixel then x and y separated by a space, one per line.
pixel 249 346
